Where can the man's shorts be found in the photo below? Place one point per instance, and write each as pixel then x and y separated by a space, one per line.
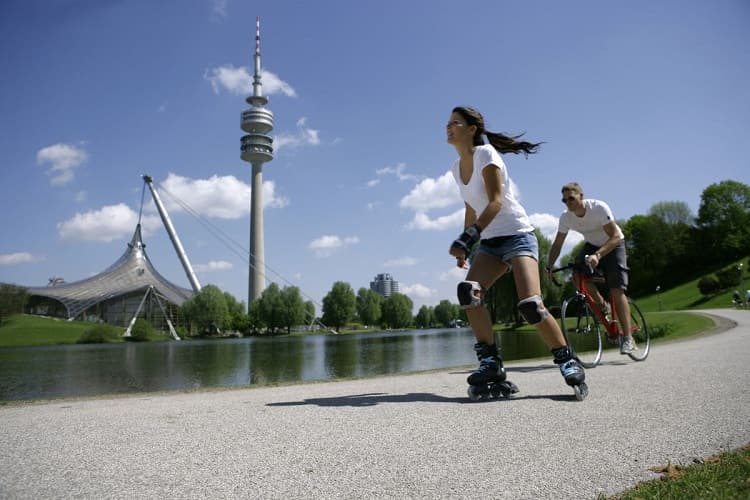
pixel 614 265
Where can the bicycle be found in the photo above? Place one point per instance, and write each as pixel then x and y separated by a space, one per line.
pixel 583 334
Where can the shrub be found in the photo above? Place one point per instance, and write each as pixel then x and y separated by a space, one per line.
pixel 708 285
pixel 141 330
pixel 661 330
pixel 729 277
pixel 99 334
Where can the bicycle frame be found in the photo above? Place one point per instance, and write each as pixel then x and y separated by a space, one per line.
pixel 593 319
pixel 613 327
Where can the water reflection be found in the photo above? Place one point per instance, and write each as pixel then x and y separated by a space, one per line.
pixel 88 370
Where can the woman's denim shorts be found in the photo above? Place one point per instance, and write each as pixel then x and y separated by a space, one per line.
pixel 507 247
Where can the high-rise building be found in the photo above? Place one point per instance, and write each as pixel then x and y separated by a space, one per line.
pixel 256 148
pixel 385 285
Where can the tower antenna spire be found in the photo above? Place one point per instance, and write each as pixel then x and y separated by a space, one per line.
pixel 256 148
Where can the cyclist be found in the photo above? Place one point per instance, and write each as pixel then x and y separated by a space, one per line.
pixel 507 239
pixel 604 247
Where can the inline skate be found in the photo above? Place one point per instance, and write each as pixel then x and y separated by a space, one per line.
pixel 489 380
pixel 573 372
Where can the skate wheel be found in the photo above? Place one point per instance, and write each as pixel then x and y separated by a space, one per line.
pixel 581 391
pixel 474 395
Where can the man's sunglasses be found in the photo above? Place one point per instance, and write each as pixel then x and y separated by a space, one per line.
pixel 569 198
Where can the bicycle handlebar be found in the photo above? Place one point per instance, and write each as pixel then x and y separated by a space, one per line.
pixel 570 265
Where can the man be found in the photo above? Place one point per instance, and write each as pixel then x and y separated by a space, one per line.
pixel 604 248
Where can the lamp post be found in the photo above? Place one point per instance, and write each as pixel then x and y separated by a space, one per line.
pixel 658 296
pixel 742 283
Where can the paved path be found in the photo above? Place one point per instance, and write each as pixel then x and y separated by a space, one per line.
pixel 412 436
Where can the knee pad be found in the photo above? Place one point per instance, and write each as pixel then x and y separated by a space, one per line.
pixel 532 309
pixel 469 294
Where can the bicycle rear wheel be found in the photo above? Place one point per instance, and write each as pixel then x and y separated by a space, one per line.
pixel 582 331
pixel 640 332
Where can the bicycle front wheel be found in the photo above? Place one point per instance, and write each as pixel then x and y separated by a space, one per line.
pixel 639 330
pixel 582 331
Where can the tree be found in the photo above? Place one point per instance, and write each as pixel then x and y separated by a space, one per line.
pixel 12 300
pixel 724 221
pixel 236 319
pixel 207 310
pixel 647 240
pixel 397 311
pixel 672 212
pixel 444 313
pixel 295 307
pixel 271 308
pixel 339 305
pixel 369 304
pixel 425 318
pixel 309 312
pixel 254 321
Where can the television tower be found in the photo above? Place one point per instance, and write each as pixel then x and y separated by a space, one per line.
pixel 256 148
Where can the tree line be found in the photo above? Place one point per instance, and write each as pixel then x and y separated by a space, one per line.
pixel 666 247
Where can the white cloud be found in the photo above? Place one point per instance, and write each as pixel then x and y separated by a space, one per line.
pixel 304 136
pixel 423 222
pixel 107 224
pixel 81 196
pixel 454 274
pixel 418 291
pixel 401 262
pixel 239 81
pixel 327 245
pixel 433 193
pixel 547 224
pixel 398 171
pixel 213 265
pixel 223 197
pixel 219 7
pixel 64 159
pixel 12 259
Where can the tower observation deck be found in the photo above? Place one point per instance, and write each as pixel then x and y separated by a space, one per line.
pixel 256 148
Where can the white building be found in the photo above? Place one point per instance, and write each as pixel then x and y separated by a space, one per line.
pixel 385 285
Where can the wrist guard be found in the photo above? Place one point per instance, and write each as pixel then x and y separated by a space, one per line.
pixel 467 239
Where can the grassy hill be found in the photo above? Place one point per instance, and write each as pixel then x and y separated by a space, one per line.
pixel 687 296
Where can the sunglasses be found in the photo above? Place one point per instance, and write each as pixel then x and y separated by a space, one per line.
pixel 569 198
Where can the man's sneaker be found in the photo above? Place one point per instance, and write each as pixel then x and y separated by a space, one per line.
pixel 627 346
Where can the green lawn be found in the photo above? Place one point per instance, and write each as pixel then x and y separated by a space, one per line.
pixel 687 296
pixel 725 476
pixel 24 330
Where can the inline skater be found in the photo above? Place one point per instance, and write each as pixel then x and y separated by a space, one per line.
pixel 496 220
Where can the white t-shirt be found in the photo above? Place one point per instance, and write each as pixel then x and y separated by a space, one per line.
pixel 591 225
pixel 512 218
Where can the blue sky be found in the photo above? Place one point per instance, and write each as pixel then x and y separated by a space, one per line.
pixel 638 101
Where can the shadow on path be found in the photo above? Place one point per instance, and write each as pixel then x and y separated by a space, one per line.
pixel 372 399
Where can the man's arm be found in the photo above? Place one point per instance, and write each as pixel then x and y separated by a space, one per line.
pixel 614 239
pixel 554 251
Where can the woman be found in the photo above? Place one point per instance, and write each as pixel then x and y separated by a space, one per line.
pixel 507 240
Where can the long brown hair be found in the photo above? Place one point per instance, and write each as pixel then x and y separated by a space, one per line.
pixel 501 142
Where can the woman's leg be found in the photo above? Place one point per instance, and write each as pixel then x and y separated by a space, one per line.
pixel 526 275
pixel 485 270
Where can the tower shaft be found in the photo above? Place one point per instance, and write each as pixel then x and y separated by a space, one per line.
pixel 257 281
pixel 256 148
